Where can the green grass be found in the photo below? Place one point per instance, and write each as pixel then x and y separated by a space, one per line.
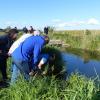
pixel 84 39
pixel 76 87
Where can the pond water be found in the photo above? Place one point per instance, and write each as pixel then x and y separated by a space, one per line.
pixel 83 64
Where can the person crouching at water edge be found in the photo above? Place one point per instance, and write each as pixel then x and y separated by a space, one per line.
pixel 17 43
pixel 26 56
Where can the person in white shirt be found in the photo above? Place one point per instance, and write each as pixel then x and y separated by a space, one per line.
pixel 17 43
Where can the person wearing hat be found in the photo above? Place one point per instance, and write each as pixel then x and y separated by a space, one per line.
pixel 5 43
pixel 27 55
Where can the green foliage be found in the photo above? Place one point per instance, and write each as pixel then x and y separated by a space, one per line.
pixel 88 32
pixel 48 88
pixel 58 62
pixel 85 39
pixel 51 29
pixel 76 87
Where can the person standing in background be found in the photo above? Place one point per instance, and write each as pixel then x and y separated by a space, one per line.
pixel 46 30
pixel 15 27
pixel 31 29
pixel 25 30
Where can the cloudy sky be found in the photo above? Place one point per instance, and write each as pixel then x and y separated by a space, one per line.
pixel 62 14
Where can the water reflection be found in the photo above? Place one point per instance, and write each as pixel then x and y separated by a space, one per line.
pixel 83 63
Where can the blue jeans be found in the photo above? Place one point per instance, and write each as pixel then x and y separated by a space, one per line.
pixel 20 67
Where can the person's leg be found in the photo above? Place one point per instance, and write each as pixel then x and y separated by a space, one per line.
pixel 15 73
pixel 12 64
pixel 22 66
pixel 3 65
pixel 0 72
pixel 25 70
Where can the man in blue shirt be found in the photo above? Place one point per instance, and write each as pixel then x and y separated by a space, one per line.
pixel 26 56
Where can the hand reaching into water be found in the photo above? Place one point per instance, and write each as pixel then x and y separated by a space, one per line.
pixel 34 72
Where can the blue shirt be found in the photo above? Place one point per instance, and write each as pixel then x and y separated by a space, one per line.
pixel 30 49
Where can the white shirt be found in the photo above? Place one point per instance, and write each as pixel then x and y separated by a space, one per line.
pixel 17 43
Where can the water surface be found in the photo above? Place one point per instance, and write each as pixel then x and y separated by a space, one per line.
pixel 83 64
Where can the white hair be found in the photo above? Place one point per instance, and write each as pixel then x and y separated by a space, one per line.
pixel 36 33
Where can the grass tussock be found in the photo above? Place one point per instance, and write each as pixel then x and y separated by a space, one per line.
pixel 76 87
pixel 48 88
pixel 84 39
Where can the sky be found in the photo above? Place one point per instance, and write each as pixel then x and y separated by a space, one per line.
pixel 61 14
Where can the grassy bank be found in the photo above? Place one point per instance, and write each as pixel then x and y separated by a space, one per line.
pixel 84 39
pixel 48 88
pixel 76 87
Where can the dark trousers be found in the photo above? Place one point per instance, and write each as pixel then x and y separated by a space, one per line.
pixel 3 67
